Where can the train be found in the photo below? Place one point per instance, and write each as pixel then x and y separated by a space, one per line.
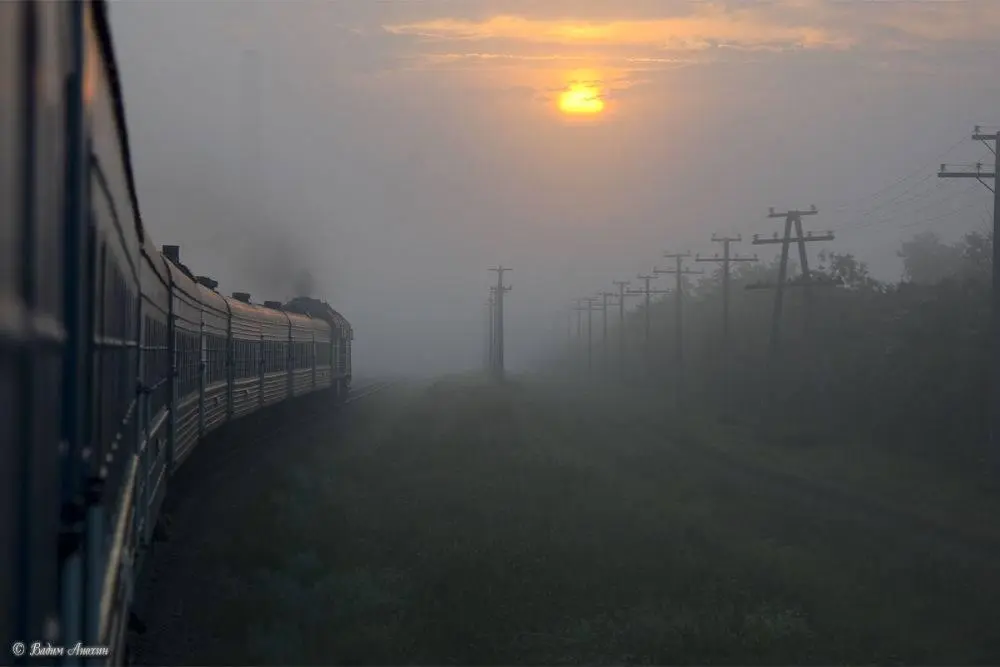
pixel 115 360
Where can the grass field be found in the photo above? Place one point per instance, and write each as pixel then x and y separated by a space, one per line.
pixel 461 522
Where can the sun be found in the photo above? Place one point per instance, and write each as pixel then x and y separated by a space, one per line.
pixel 581 99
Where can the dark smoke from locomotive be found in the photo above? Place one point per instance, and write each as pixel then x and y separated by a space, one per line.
pixel 305 284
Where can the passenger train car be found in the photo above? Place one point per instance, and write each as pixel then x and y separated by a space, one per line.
pixel 115 361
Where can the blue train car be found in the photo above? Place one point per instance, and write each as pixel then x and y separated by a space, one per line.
pixel 339 362
pixel 115 361
pixel 36 63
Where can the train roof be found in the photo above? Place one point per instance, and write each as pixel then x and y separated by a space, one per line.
pixel 157 261
pixel 307 321
pixel 212 299
pixel 321 309
pixel 255 312
pixel 103 28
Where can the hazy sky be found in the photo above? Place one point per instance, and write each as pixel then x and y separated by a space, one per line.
pixel 398 149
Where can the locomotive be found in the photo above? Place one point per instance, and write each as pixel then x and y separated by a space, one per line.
pixel 115 361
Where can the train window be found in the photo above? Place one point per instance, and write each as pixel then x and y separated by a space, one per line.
pixel 162 342
pixel 215 351
pixel 241 354
pixel 275 364
pixel 246 358
pixel 216 358
pixel 114 355
pixel 210 349
pixel 280 357
pixel 188 362
pixel 156 363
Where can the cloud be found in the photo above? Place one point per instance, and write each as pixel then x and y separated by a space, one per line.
pixel 706 32
pixel 706 28
pixel 479 61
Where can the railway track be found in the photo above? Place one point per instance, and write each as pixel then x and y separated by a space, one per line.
pixel 371 388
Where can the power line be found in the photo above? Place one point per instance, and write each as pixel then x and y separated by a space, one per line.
pixel 885 219
pixel 835 207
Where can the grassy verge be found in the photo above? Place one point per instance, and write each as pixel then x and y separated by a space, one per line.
pixel 962 497
pixel 461 522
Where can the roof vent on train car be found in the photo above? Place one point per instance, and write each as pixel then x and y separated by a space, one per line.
pixel 273 304
pixel 242 296
pixel 207 282
pixel 172 252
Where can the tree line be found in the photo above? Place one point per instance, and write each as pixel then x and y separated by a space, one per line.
pixel 900 364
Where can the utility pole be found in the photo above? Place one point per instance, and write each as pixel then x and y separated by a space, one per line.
pixel 490 329
pixel 726 259
pixel 646 291
pixel 569 329
pixel 980 175
pixel 579 319
pixel 792 218
pixel 578 348
pixel 604 329
pixel 499 290
pixel 622 285
pixel 590 328
pixel 679 272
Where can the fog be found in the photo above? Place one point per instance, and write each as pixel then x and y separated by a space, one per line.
pixel 384 155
